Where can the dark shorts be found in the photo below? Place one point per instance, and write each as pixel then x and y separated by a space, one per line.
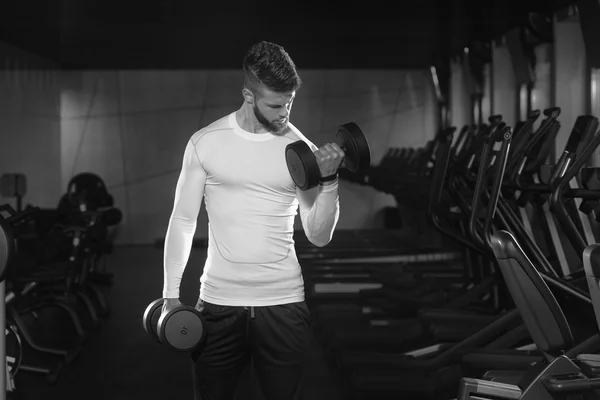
pixel 276 339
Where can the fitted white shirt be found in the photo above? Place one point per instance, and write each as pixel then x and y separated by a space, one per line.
pixel 251 202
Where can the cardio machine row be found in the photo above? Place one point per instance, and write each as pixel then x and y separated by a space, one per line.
pixel 52 265
pixel 414 327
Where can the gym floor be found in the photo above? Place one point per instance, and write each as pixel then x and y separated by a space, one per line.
pixel 119 361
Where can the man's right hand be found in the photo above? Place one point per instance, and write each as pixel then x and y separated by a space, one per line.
pixel 168 305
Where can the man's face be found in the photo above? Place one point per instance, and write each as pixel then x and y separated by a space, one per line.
pixel 272 110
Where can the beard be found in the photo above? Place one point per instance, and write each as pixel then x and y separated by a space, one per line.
pixel 271 126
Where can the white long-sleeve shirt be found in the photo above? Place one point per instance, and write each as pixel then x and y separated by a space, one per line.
pixel 251 201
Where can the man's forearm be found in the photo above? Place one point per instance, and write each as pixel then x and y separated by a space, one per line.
pixel 178 246
pixel 320 220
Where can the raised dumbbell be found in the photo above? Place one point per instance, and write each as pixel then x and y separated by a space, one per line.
pixel 181 329
pixel 303 166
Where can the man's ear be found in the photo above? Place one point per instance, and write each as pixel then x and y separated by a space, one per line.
pixel 248 95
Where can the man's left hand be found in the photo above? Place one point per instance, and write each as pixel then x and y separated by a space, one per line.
pixel 329 158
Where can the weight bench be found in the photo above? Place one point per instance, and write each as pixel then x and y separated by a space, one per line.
pixel 556 374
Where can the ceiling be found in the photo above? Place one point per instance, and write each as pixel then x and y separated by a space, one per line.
pixel 163 34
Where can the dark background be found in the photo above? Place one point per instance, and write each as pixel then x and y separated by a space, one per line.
pixel 200 34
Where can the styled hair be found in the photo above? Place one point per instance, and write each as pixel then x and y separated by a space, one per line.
pixel 269 64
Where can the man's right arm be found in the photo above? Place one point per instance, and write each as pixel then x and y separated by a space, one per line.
pixel 182 224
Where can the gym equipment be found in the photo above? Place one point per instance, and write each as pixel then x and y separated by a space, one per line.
pixel 7 243
pixel 13 353
pixel 87 188
pixel 588 126
pixel 6 250
pixel 555 375
pixel 376 382
pixel 58 281
pixel 368 338
pixel 14 185
pixel 502 135
pixel 181 329
pixel 303 166
pixel 585 138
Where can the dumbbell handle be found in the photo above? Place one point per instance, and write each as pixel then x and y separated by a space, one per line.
pixel 358 146
pixel 342 165
pixel 343 147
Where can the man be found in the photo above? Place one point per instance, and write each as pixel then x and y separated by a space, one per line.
pixel 251 290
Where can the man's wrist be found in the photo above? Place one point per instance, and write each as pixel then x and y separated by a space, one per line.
pixel 329 180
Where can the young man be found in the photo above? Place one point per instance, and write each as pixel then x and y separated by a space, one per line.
pixel 251 291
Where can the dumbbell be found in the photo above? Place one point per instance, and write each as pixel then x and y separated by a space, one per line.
pixel 303 166
pixel 181 329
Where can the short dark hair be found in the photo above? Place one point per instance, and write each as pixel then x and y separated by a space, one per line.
pixel 269 64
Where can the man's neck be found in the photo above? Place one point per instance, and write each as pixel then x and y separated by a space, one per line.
pixel 247 121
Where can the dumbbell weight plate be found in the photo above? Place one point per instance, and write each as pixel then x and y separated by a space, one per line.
pixel 151 317
pixel 182 328
pixel 358 154
pixel 302 164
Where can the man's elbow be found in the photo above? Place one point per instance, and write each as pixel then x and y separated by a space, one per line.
pixel 319 236
pixel 320 241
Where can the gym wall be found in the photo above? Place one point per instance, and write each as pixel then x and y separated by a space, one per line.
pixel 460 98
pixel 504 87
pixel 570 76
pixel 131 127
pixel 595 104
pixel 30 124
pixel 541 93
pixel 486 100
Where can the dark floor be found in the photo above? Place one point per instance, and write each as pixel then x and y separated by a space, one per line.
pixel 118 360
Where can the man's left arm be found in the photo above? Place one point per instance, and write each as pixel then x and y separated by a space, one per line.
pixel 319 212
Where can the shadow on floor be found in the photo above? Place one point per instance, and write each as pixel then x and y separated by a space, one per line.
pixel 118 360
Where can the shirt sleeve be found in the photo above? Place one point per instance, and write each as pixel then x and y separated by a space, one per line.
pixel 319 212
pixel 189 193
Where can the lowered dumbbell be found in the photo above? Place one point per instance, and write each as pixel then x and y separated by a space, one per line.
pixel 182 328
pixel 303 166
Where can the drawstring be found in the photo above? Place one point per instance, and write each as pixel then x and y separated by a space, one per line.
pixel 248 320
pixel 251 311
